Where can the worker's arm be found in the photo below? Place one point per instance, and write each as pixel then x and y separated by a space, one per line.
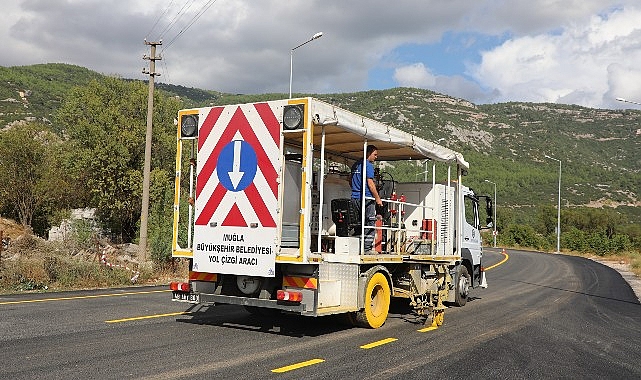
pixel 372 187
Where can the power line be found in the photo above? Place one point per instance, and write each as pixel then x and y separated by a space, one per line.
pixel 159 18
pixel 193 20
pixel 166 70
pixel 177 17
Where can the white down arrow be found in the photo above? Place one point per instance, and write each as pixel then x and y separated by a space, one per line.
pixel 235 175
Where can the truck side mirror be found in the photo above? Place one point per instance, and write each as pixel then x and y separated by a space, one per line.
pixel 489 207
pixel 489 220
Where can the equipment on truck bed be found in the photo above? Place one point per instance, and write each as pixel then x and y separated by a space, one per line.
pixel 262 211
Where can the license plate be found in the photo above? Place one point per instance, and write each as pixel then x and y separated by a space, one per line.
pixel 183 296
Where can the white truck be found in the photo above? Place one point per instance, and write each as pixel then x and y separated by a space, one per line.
pixel 262 212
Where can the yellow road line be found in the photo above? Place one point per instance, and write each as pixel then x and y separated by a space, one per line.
pixel 500 262
pixel 297 365
pixel 82 297
pixel 426 329
pixel 147 317
pixel 378 343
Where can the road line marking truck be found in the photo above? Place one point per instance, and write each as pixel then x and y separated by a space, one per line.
pixel 262 211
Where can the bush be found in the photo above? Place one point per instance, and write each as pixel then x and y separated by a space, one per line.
pixel 160 244
pixel 32 264
pixel 596 242
pixel 23 275
pixel 84 233
pixel 91 274
pixel 60 272
pixel 161 235
pixel 523 236
pixel 575 240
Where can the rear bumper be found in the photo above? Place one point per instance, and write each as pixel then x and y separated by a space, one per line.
pixel 205 298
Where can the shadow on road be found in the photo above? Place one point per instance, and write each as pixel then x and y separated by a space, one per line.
pixel 236 317
pixel 633 302
pixel 273 322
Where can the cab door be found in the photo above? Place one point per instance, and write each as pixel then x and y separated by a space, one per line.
pixel 471 247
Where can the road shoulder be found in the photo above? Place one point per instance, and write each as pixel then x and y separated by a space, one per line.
pixel 626 273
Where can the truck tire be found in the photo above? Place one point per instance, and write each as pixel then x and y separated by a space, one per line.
pixel 377 301
pixel 462 289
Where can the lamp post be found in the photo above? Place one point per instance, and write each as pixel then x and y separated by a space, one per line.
pixel 424 171
pixel 291 59
pixel 558 216
pixel 494 210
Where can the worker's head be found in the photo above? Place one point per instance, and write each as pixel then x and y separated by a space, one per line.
pixel 371 153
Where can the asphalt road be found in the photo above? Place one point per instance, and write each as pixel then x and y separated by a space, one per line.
pixel 542 316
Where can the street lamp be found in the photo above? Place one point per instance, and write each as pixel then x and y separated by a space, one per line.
pixel 424 171
pixel 558 216
pixel 628 101
pixel 291 59
pixel 494 210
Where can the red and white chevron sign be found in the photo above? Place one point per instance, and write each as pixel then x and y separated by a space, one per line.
pixel 238 163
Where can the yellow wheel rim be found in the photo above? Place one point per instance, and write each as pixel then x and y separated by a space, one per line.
pixel 377 301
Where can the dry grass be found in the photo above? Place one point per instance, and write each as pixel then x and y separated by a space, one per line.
pixel 632 259
pixel 11 229
pixel 32 264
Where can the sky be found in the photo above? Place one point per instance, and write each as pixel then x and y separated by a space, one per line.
pixel 584 52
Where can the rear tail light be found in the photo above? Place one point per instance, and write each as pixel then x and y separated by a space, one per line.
pixel 289 295
pixel 179 286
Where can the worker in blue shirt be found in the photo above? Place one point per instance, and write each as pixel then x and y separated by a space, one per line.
pixel 370 192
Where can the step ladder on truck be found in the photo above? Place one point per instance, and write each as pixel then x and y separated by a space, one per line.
pixel 262 211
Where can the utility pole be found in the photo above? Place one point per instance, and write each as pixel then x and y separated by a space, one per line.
pixel 144 213
pixel 558 210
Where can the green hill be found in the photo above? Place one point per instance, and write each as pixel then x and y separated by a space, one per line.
pixel 505 143
pixel 36 91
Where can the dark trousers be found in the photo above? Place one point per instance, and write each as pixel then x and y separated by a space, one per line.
pixel 370 220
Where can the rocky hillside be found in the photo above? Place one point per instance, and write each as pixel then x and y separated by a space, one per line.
pixel 600 150
pixel 507 143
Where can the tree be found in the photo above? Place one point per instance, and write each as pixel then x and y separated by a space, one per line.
pixel 31 175
pixel 105 122
pixel 546 220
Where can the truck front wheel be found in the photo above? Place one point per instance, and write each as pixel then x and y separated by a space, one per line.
pixel 377 301
pixel 462 286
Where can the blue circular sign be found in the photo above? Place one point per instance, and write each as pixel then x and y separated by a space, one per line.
pixel 237 165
